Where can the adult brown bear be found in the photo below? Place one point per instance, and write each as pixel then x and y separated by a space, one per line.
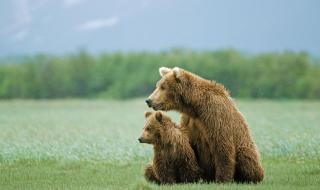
pixel 233 152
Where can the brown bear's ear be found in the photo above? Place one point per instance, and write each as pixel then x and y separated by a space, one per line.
pixel 159 116
pixel 163 71
pixel 177 73
pixel 147 114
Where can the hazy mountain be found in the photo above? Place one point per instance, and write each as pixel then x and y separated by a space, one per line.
pixel 60 26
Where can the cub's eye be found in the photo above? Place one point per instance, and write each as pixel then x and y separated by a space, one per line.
pixel 147 129
pixel 162 87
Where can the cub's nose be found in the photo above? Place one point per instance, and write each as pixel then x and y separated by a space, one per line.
pixel 139 139
pixel 148 101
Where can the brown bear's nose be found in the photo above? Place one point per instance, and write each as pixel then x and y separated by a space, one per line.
pixel 139 139
pixel 148 101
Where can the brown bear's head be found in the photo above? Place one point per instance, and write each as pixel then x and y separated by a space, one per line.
pixel 155 127
pixel 170 90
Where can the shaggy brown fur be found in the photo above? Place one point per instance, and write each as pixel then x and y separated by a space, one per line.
pixel 174 160
pixel 199 144
pixel 234 154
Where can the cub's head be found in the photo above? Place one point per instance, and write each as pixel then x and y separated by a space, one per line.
pixel 169 89
pixel 155 127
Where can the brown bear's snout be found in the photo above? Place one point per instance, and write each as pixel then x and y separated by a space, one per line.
pixel 140 140
pixel 148 101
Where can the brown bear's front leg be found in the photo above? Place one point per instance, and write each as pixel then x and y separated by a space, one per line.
pixel 190 173
pixel 149 174
pixel 165 171
pixel 225 164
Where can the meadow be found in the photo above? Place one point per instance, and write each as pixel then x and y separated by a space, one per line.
pixel 92 144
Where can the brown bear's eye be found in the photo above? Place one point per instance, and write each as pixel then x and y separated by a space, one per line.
pixel 162 87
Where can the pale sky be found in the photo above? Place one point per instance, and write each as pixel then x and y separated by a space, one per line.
pixel 63 26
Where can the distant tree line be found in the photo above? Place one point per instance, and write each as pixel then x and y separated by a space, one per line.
pixel 127 75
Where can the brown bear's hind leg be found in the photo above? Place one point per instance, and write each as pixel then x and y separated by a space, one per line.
pixel 248 167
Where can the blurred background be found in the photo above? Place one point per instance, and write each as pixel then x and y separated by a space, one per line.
pixel 113 49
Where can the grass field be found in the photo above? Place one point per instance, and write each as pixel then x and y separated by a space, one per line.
pixel 92 144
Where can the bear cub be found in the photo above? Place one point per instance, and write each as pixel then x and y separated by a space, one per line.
pixel 174 160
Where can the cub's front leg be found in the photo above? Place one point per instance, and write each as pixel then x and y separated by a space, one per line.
pixel 150 175
pixel 164 171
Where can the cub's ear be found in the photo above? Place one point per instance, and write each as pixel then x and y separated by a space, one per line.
pixel 163 71
pixel 159 116
pixel 177 73
pixel 147 114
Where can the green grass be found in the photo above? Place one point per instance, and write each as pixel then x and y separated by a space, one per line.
pixel 81 144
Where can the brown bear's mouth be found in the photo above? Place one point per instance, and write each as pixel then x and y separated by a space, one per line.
pixel 141 140
pixel 157 107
